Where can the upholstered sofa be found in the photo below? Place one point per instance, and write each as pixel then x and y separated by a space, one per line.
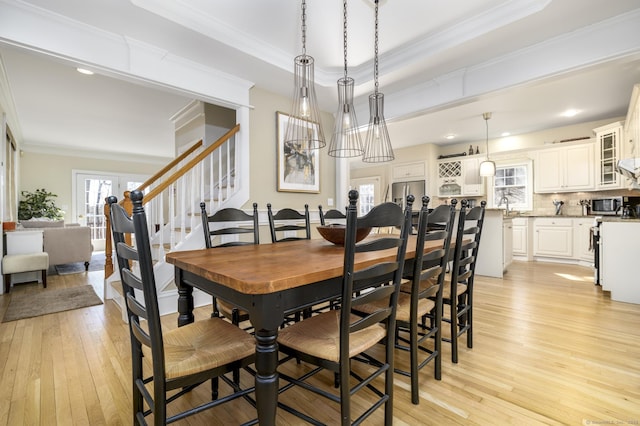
pixel 65 243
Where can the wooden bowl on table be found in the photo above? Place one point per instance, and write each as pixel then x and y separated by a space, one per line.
pixel 335 233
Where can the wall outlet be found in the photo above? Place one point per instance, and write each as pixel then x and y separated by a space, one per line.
pixel 330 202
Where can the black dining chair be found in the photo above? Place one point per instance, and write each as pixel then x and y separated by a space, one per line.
pixel 182 358
pixel 338 340
pixel 225 223
pixel 331 216
pixel 421 298
pixel 458 294
pixel 288 220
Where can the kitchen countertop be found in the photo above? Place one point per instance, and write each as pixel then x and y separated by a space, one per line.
pixel 604 218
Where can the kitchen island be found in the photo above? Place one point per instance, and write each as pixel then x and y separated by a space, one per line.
pixel 496 244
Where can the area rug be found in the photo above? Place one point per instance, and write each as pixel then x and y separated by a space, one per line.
pixel 49 301
pixel 96 264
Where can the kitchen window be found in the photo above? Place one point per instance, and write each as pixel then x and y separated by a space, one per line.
pixel 513 182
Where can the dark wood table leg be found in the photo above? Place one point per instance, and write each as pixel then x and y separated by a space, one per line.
pixel 266 379
pixel 266 316
pixel 185 300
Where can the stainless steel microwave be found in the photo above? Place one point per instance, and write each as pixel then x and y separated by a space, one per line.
pixel 612 205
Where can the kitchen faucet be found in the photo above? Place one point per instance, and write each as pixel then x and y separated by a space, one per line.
pixel 506 201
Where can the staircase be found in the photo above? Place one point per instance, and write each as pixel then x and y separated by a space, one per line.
pixel 172 204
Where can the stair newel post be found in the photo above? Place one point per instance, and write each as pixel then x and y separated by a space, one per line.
pixel 127 204
pixel 108 244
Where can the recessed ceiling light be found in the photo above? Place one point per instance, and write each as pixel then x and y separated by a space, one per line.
pixel 505 134
pixel 570 113
pixel 84 71
pixel 450 136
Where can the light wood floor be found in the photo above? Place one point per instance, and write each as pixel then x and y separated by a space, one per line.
pixel 549 348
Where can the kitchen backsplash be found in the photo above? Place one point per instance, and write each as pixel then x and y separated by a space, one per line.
pixel 543 203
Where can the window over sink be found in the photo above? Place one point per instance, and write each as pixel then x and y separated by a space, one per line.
pixel 513 181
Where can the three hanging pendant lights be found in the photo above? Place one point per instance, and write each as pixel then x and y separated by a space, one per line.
pixel 304 128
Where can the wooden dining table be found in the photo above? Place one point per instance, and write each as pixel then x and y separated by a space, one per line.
pixel 269 281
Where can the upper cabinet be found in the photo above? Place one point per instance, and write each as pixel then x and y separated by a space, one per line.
pixel 460 177
pixel 564 169
pixel 409 171
pixel 608 152
pixel 631 143
pixel 472 182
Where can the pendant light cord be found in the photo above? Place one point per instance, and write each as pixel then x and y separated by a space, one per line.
pixel 486 122
pixel 344 34
pixel 304 27
pixel 375 58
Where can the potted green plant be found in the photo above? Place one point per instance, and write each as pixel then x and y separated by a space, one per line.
pixel 39 203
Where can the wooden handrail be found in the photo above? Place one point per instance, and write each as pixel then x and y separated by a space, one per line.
pixel 126 202
pixel 190 165
pixel 169 166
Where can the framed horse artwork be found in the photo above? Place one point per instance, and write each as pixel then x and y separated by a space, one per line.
pixel 298 167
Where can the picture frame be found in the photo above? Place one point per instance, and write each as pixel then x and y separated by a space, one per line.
pixel 298 169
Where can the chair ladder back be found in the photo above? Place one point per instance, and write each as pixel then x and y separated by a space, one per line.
pixel 381 280
pixel 288 219
pixel 148 309
pixel 237 219
pixel 334 214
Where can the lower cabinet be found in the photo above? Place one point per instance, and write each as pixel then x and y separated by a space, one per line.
pixel 556 238
pixel 520 232
pixel 582 243
pixel 553 237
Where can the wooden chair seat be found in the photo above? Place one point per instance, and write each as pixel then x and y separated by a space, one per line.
pixel 446 291
pixel 403 311
pixel 204 345
pixel 319 336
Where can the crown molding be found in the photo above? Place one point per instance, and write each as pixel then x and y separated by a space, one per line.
pixel 68 151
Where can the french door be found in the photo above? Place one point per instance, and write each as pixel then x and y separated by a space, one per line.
pixel 369 190
pixel 90 192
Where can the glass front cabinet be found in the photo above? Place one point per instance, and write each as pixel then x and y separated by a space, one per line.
pixel 608 152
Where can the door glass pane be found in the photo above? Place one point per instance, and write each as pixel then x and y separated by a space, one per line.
pixel 366 199
pixel 95 192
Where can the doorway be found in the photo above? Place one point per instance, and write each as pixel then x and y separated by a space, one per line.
pixel 90 192
pixel 369 193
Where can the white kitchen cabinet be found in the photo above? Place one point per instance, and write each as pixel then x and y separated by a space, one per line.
pixel 494 253
pixel 564 169
pixel 409 171
pixel 507 247
pixel 619 255
pixel 460 177
pixel 553 237
pixel 521 239
pixel 472 183
pixel 608 152
pixel 631 142
pixel 582 245
pixel 449 178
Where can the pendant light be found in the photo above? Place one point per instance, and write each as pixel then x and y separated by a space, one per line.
pixel 377 146
pixel 304 128
pixel 487 167
pixel 345 140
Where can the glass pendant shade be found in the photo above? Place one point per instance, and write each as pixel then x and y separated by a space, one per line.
pixel 345 140
pixel 487 168
pixel 303 128
pixel 377 147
